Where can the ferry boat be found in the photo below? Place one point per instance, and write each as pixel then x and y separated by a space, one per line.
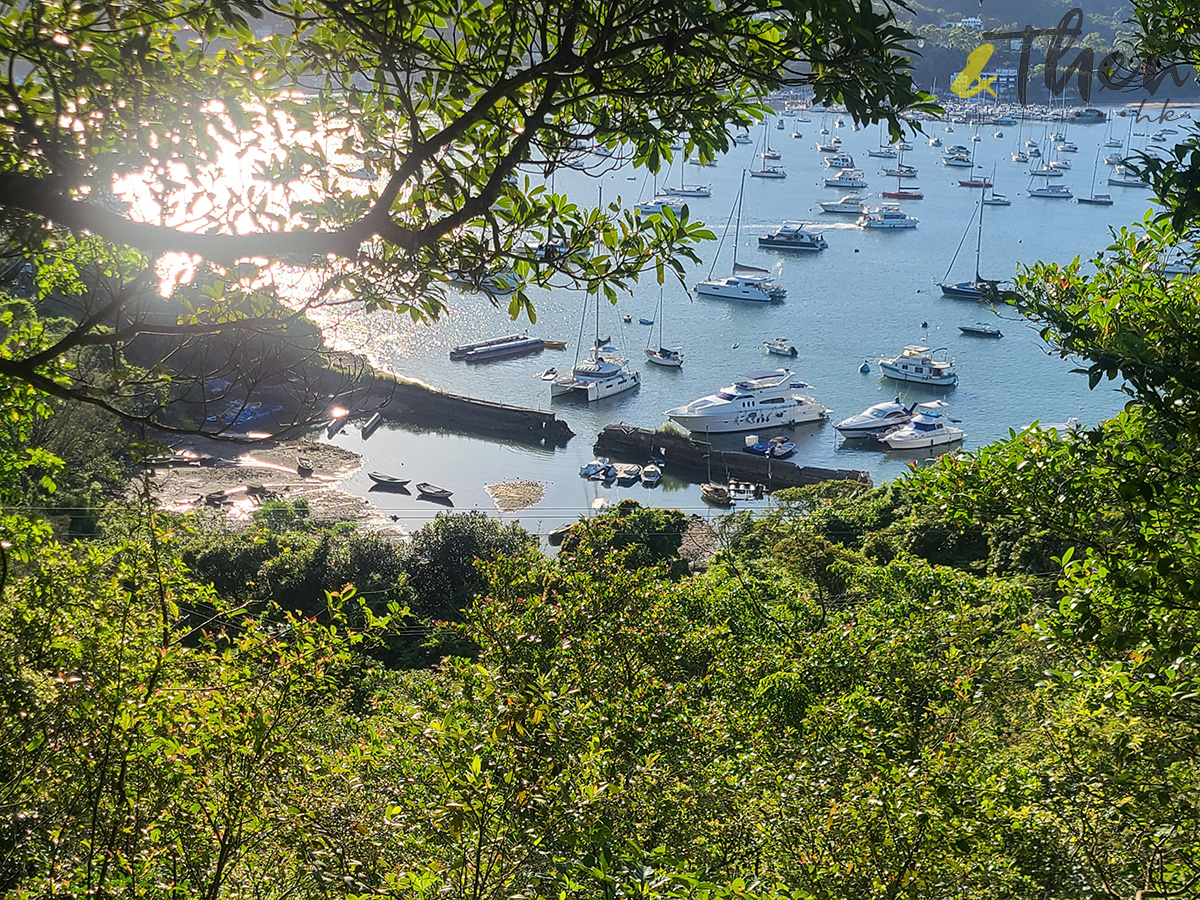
pixel 793 236
pixel 890 215
pixel 770 398
pixel 920 364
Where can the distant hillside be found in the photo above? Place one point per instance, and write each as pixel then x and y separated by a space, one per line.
pixel 1103 15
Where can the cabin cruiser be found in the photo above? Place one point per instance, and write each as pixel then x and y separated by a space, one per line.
pixel 851 204
pixel 876 419
pixel 771 398
pixel 847 178
pixel 928 428
pixel 793 236
pixel 890 215
pixel 920 364
pixel 781 346
pixel 840 161
pixel 595 378
pixel 958 160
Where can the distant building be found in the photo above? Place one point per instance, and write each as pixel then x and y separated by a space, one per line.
pixel 973 22
pixel 1005 83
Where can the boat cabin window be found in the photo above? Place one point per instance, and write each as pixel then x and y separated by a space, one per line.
pixel 925 426
pixel 772 400
pixel 726 395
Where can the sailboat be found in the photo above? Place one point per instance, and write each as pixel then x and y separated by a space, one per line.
pixel 668 357
pixel 968 290
pixel 1096 199
pixel 687 190
pixel 884 151
pixel 902 192
pixel 746 282
pixel 764 170
pixel 597 376
pixel 994 199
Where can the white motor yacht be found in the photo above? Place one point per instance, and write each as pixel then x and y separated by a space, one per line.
pixel 847 178
pixel 851 204
pixel 928 428
pixel 958 160
pixel 758 399
pixel 840 161
pixel 890 215
pixel 920 364
pixel 793 236
pixel 876 419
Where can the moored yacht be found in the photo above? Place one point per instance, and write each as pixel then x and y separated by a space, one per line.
pixel 876 419
pixel 658 204
pixel 595 378
pixel 847 178
pixel 738 286
pixel 840 161
pixel 920 364
pixel 1052 192
pixel 767 398
pixel 928 428
pixel 851 204
pixel 793 236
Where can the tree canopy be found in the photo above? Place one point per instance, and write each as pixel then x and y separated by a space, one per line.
pixel 385 149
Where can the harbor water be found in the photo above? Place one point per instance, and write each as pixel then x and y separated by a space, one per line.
pixel 869 294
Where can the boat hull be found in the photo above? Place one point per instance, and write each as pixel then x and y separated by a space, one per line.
pixel 749 420
pixel 897 374
pixel 667 362
pixel 595 389
pixel 923 442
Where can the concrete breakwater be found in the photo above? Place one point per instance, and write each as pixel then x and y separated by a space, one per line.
pixel 417 404
pixel 698 457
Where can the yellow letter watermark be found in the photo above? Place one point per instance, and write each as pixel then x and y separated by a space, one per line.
pixel 967 83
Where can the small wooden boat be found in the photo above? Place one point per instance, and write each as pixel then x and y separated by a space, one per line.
pixel 716 494
pixel 304 466
pixel 388 481
pixel 372 423
pixel 651 475
pixel 554 345
pixel 556 537
pixel 432 491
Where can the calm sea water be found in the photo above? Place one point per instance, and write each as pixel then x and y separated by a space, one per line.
pixel 868 294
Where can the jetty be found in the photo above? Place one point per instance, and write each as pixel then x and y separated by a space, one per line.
pixel 699 458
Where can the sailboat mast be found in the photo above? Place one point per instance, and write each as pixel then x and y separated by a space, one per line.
pixel 738 230
pixel 979 232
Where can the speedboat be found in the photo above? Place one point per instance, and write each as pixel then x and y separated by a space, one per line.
pixel 781 447
pixel 851 204
pixel 793 236
pixel 595 467
pixel 928 428
pixel 920 364
pixel 780 347
pixel 876 419
pixel 770 398
pixel 1052 192
pixel 982 329
pixel 846 178
pixel 890 215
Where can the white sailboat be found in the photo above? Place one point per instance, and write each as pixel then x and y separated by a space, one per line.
pixel 662 355
pixel 766 155
pixel 599 375
pixel 1096 199
pixel 745 282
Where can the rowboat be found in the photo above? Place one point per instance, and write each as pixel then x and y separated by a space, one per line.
pixel 303 466
pixel 388 481
pixel 432 491
pixel 372 423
